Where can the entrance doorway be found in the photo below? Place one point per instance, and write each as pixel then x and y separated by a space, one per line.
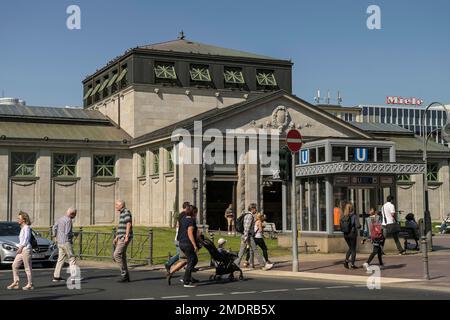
pixel 273 204
pixel 219 195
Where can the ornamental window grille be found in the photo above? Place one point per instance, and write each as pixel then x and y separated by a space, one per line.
pixel 23 164
pixel 104 165
pixel 64 165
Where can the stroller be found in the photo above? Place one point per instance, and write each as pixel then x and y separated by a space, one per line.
pixel 223 261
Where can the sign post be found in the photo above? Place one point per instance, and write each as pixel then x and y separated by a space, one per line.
pixel 294 143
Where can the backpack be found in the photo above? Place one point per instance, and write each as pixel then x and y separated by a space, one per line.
pixel 376 231
pixel 33 241
pixel 240 222
pixel 346 224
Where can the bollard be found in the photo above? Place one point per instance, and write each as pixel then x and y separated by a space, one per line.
pixel 80 248
pixel 150 239
pixel 426 271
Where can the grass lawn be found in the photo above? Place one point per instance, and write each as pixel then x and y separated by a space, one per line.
pixel 163 243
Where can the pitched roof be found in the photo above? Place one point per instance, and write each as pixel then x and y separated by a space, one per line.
pixel 218 114
pixel 58 131
pixel 187 46
pixel 27 112
pixel 381 128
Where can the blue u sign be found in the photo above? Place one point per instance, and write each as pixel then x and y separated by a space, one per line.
pixel 304 156
pixel 361 154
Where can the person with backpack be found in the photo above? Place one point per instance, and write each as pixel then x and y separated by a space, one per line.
pixel 62 231
pixel 176 257
pixel 390 223
pixel 376 237
pixel 24 253
pixel 349 224
pixel 245 224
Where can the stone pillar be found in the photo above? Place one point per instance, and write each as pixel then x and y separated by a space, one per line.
pixel 4 169
pixel 43 199
pixel 84 199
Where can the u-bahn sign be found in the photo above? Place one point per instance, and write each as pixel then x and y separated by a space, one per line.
pixel 294 140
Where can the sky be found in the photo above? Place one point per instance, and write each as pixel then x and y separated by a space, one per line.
pixel 43 62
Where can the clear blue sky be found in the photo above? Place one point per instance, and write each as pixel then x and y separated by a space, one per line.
pixel 44 63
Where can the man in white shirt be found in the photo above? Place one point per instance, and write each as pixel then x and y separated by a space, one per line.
pixel 389 222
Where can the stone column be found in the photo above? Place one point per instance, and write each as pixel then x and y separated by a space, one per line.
pixel 84 199
pixel 43 198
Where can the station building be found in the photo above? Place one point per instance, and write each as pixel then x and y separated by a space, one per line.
pixel 119 145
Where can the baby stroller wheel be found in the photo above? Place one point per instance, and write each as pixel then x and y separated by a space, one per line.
pixel 231 277
pixel 212 277
pixel 241 277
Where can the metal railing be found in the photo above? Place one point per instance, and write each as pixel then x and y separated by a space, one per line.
pixel 99 244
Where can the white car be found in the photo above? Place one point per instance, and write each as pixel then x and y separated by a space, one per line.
pixel 46 253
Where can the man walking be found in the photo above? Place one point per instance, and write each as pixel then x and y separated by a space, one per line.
pixel 62 231
pixel 248 238
pixel 390 224
pixel 122 239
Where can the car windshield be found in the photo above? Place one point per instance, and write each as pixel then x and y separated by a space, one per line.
pixel 9 229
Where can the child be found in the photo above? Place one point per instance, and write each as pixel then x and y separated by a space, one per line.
pixel 376 237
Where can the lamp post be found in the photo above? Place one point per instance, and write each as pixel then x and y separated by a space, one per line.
pixel 427 239
pixel 194 190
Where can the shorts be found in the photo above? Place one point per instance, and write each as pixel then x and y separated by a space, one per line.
pixel 230 221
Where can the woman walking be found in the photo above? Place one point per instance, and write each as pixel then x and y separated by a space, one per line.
pixel 259 238
pixel 376 237
pixel 24 253
pixel 349 226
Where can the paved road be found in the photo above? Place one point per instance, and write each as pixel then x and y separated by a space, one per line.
pixel 101 284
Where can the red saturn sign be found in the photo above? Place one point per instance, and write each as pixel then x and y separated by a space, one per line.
pixel 404 101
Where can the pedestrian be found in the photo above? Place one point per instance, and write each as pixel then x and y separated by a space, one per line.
pixel 411 224
pixel 337 214
pixel 349 226
pixel 229 215
pixel 248 238
pixel 376 237
pixel 123 237
pixel 62 231
pixel 188 240
pixel 390 223
pixel 176 257
pixel 24 253
pixel 259 237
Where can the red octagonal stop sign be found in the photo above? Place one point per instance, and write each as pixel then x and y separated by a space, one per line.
pixel 294 140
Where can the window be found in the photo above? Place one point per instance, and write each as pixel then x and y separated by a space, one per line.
pixel 383 154
pixel 388 114
pixel 95 93
pixel 88 92
pixel 155 166
pixel 433 172
pixel 64 165
pixel 383 115
pixel 312 155
pixel 265 79
pixel 169 160
pixel 164 70
pixel 200 73
pixel 103 89
pixel 23 164
pixel 321 154
pixel 104 165
pixel 233 78
pixel 404 178
pixel 142 164
pixel 338 154
pixel 394 116
pixel 411 116
pixel 112 82
pixel 233 75
pixel 122 79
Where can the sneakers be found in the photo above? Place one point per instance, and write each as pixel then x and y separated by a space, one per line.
pixel 352 266
pixel 59 279
pixel 267 266
pixel 13 286
pixel 189 285
pixel 28 287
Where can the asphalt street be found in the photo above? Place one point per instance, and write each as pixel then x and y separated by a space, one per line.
pixel 101 284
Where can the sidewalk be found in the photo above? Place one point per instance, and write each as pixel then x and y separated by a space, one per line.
pixel 397 270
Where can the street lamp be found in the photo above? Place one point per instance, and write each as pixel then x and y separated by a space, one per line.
pixel 194 189
pixel 427 239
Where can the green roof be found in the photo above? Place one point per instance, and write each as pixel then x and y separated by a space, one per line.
pixel 57 131
pixel 415 143
pixel 187 46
